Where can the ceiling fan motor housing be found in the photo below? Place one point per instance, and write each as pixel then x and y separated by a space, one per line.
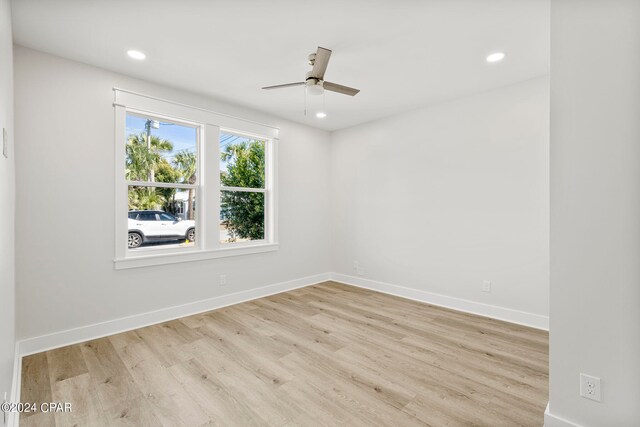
pixel 313 86
pixel 311 80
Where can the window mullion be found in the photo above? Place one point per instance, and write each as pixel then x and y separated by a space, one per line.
pixel 211 187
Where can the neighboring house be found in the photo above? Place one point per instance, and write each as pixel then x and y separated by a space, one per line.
pixel 180 205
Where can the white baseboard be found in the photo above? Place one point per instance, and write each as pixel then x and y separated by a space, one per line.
pixel 551 420
pixel 98 330
pixel 501 313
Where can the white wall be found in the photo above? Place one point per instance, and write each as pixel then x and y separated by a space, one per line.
pixel 7 204
pixel 441 198
pixel 65 275
pixel 595 210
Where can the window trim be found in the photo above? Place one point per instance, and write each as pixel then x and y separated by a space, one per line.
pixel 209 124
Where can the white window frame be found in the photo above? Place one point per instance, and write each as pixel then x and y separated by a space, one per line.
pixel 209 125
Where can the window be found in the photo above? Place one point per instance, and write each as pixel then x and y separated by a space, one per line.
pixel 161 161
pixel 190 184
pixel 242 189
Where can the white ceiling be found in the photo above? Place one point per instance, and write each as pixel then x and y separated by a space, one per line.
pixel 401 54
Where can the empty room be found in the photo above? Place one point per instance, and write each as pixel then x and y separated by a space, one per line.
pixel 347 213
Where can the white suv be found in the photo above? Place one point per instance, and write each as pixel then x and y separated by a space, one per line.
pixel 158 226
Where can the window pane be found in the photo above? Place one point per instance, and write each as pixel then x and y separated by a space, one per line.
pixel 158 151
pixel 160 217
pixel 242 161
pixel 241 216
pixel 167 217
pixel 147 216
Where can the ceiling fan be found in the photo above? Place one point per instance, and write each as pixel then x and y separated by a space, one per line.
pixel 315 83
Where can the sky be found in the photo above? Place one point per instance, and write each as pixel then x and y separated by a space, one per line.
pixel 182 137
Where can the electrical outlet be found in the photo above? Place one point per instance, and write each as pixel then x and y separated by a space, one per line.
pixel 590 387
pixel 358 268
pixel 486 286
pixel 223 280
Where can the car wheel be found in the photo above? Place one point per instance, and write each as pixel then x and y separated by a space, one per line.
pixel 191 235
pixel 135 240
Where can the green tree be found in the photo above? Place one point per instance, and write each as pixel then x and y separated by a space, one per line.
pixel 145 198
pixel 185 163
pixel 164 172
pixel 143 161
pixel 243 212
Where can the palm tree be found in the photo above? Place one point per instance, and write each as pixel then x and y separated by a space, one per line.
pixel 186 163
pixel 145 198
pixel 142 160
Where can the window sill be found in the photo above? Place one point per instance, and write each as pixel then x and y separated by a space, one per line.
pixel 197 255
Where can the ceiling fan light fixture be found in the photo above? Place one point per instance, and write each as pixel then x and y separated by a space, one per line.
pixel 314 89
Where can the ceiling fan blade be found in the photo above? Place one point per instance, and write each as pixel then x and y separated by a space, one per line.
pixel 333 87
pixel 320 64
pixel 285 85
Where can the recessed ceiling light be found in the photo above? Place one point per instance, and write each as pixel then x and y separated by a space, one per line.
pixel 136 54
pixel 321 115
pixel 495 57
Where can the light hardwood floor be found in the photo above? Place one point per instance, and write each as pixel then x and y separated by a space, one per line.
pixel 329 354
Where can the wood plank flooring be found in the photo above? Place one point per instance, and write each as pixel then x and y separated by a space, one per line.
pixel 324 355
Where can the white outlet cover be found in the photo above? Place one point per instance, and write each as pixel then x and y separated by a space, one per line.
pixel 590 387
pixel 486 286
